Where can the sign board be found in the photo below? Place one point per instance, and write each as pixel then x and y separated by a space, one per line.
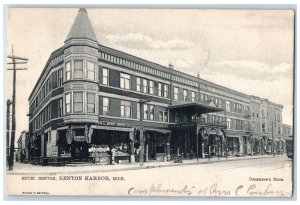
pixel 54 151
pixel 80 138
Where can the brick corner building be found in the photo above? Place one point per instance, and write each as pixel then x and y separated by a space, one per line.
pixel 95 102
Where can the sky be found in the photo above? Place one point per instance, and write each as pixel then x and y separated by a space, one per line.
pixel 250 51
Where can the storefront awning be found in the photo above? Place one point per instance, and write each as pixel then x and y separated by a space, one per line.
pixel 203 107
pixel 122 129
pixel 158 130
pixel 233 136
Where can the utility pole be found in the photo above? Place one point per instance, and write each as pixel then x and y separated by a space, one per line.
pixel 15 61
pixel 273 143
pixel 8 103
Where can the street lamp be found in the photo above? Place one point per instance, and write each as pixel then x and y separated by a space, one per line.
pixel 142 141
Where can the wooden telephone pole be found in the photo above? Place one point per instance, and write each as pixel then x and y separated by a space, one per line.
pixel 15 60
pixel 8 103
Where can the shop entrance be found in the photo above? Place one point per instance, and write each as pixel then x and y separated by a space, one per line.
pixel 156 143
pixel 79 150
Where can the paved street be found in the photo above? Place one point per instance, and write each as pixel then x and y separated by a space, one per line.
pixel 270 176
pixel 21 168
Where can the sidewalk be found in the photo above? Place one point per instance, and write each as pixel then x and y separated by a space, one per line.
pixel 29 169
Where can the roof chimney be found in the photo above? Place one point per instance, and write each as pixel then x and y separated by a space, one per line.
pixel 171 66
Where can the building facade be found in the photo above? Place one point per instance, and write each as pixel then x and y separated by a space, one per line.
pixel 22 153
pixel 91 100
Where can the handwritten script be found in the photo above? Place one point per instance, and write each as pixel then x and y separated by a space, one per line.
pixel 213 190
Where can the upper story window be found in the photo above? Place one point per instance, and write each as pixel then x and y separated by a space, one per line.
pixel 185 96
pixel 160 90
pixel 263 127
pixel 228 123
pixel 91 71
pixel 138 111
pixel 175 93
pixel 166 91
pixel 68 102
pixel 228 106
pixel 177 118
pixel 145 86
pixel 145 112
pixel 78 101
pixel 91 102
pixel 201 96
pixel 60 78
pixel 166 116
pixel 126 109
pixel 160 116
pixel 125 81
pixel 151 87
pixel 258 127
pixel 279 130
pixel 138 84
pixel 193 96
pixel 68 70
pixel 105 74
pixel 60 108
pixel 105 107
pixel 78 69
pixel 151 110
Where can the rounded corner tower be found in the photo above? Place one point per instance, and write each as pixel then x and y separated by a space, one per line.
pixel 80 71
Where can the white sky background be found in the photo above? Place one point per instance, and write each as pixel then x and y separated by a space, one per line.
pixel 250 51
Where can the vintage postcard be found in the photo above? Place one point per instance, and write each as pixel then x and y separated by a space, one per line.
pixel 150 102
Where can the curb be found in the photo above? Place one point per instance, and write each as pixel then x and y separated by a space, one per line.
pixel 142 167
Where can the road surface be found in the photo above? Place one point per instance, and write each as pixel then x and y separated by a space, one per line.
pixel 264 177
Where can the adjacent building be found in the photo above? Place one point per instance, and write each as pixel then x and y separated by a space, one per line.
pixel 91 100
pixel 22 150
